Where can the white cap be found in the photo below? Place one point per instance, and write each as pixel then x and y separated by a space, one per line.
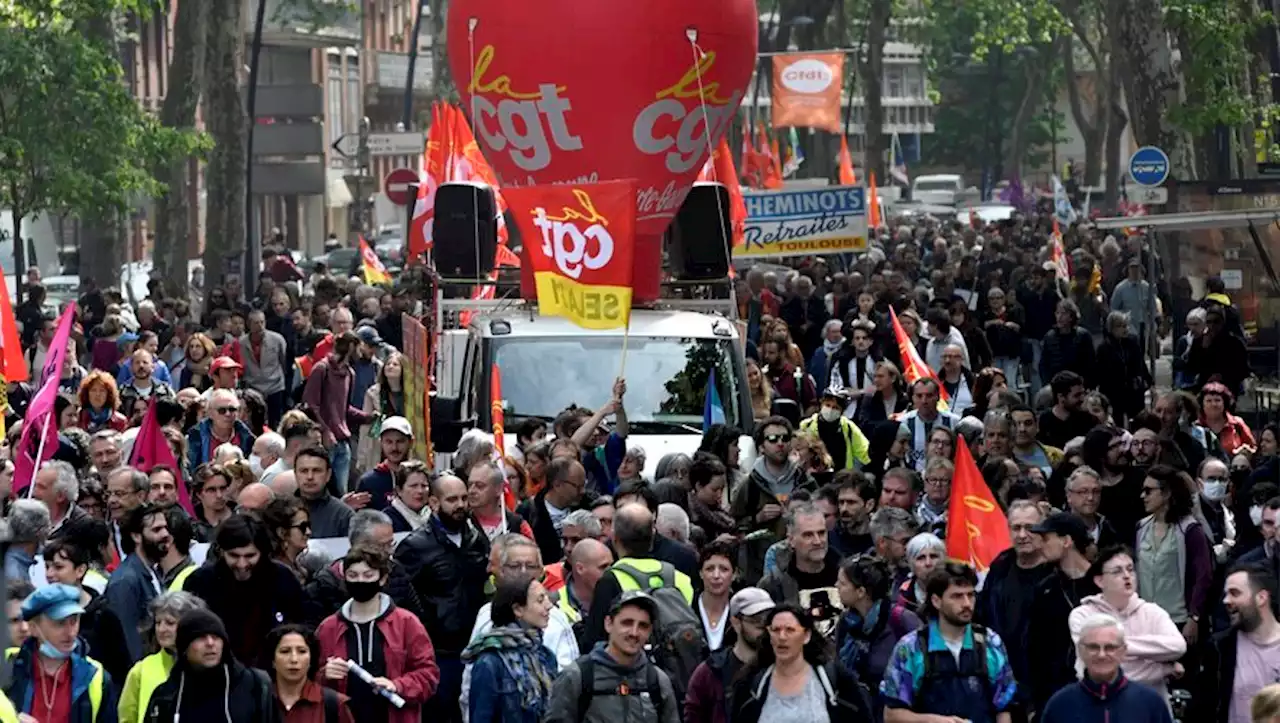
pixel 396 424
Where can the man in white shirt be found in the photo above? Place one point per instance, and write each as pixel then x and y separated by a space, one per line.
pixel 510 556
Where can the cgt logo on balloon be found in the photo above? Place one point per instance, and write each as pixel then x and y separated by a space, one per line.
pixel 579 244
pixel 522 124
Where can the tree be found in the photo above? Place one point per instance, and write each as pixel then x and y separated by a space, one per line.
pixel 72 139
pixel 186 81
pixel 224 115
pixel 1089 35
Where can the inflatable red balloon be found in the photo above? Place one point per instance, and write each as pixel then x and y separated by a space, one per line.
pixel 585 90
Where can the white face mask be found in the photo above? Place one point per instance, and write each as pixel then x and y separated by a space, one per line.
pixel 1216 490
pixel 255 464
pixel 829 415
pixel 1255 515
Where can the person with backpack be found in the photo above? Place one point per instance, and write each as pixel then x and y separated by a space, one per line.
pixel 794 680
pixel 710 698
pixel 952 667
pixel 617 682
pixel 295 660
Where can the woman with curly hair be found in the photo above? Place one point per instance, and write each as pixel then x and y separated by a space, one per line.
pixel 193 370
pixel 99 398
pixel 1217 412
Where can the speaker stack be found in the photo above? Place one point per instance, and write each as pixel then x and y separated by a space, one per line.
pixel 701 234
pixel 465 231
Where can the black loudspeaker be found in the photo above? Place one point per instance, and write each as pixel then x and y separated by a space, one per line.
pixel 465 231
pixel 701 234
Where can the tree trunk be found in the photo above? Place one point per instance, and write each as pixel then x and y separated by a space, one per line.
pixel 19 253
pixel 1151 82
pixel 1115 125
pixel 173 212
pixel 441 79
pixel 872 82
pixel 1092 125
pixel 1034 74
pixel 225 119
pixel 102 242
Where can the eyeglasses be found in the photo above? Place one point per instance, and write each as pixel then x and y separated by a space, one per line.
pixel 227 410
pixel 1087 492
pixel 777 438
pixel 1095 648
pixel 937 481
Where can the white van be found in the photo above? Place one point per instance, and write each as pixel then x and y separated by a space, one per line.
pixel 943 189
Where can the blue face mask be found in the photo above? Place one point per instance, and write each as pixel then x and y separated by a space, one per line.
pixel 49 651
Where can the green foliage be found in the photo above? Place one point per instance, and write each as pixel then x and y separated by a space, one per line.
pixel 315 15
pixel 1216 37
pixel 72 138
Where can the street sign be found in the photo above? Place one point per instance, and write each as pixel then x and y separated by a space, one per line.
pixel 406 143
pixel 1149 166
pixel 347 146
pixel 399 184
pixel 1149 196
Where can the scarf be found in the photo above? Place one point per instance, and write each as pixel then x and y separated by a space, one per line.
pixel 415 519
pixel 518 648
pixel 831 347
pixel 700 510
pixel 855 646
pixel 99 417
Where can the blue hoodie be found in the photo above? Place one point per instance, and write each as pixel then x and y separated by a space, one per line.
pixel 1120 701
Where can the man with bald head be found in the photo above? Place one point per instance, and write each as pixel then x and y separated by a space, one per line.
pixel 587 563
pixel 221 426
pixel 633 535
pixel 254 497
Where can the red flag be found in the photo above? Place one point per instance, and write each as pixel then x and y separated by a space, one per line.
pixel 847 176
pixel 14 362
pixel 499 438
pixel 151 449
pixel 719 168
pixel 39 438
pixel 913 367
pixel 977 529
pixel 873 203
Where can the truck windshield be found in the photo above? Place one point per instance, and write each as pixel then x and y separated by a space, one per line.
pixel 666 378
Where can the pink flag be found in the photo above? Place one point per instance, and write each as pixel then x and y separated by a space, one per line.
pixel 39 433
pixel 151 449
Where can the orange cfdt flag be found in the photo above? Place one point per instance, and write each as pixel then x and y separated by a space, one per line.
pixel 847 176
pixel 977 530
pixel 913 367
pixel 15 364
pixel 873 202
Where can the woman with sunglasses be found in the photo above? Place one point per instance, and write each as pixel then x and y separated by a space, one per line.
pixel 290 527
pixel 795 679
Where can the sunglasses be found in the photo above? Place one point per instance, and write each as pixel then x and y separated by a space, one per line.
pixel 227 410
pixel 777 438
pixel 304 527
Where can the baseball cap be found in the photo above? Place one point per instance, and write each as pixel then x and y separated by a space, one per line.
pixel 224 362
pixel 639 598
pixel 1065 524
pixel 750 601
pixel 396 424
pixel 56 602
pixel 369 335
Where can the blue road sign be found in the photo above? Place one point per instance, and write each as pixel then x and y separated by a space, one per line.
pixel 1149 166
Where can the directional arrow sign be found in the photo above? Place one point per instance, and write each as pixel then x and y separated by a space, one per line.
pixel 407 143
pixel 347 146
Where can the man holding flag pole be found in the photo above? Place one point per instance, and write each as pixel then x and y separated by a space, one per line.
pixel 33 447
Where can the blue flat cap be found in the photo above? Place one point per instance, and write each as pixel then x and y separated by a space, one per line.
pixel 55 602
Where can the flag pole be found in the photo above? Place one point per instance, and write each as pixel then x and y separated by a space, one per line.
pixel 35 469
pixel 626 336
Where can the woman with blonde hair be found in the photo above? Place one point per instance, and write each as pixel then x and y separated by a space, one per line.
pixel 1265 707
pixel 811 452
pixel 760 391
pixel 99 400
pixel 193 370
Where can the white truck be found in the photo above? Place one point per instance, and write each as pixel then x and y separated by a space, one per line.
pixel 547 363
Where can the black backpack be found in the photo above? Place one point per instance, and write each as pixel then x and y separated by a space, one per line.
pixel 587 667
pixel 929 674
pixel 678 643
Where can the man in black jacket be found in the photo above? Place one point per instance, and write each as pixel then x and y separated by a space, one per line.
pixel 207 684
pixel 246 589
pixel 1064 539
pixel 545 512
pixel 447 564
pixel 1067 347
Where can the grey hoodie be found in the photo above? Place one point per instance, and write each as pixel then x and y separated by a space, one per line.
pixel 610 707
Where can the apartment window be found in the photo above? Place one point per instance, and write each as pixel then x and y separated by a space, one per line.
pixel 355 104
pixel 337 125
pixel 914 77
pixel 894 82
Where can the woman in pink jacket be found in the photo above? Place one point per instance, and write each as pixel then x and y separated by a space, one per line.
pixel 1154 643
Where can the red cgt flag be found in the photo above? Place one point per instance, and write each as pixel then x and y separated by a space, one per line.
pixel 151 449
pixel 977 529
pixel 913 367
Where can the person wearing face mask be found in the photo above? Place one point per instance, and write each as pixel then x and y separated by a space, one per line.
pixel 847 445
pixel 52 680
pixel 384 639
pixel 1214 483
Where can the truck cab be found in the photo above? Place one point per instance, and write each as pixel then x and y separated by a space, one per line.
pixel 548 363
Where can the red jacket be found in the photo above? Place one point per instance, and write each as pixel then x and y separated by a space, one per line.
pixel 410 657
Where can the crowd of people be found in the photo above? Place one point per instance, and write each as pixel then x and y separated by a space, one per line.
pixel 804 577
